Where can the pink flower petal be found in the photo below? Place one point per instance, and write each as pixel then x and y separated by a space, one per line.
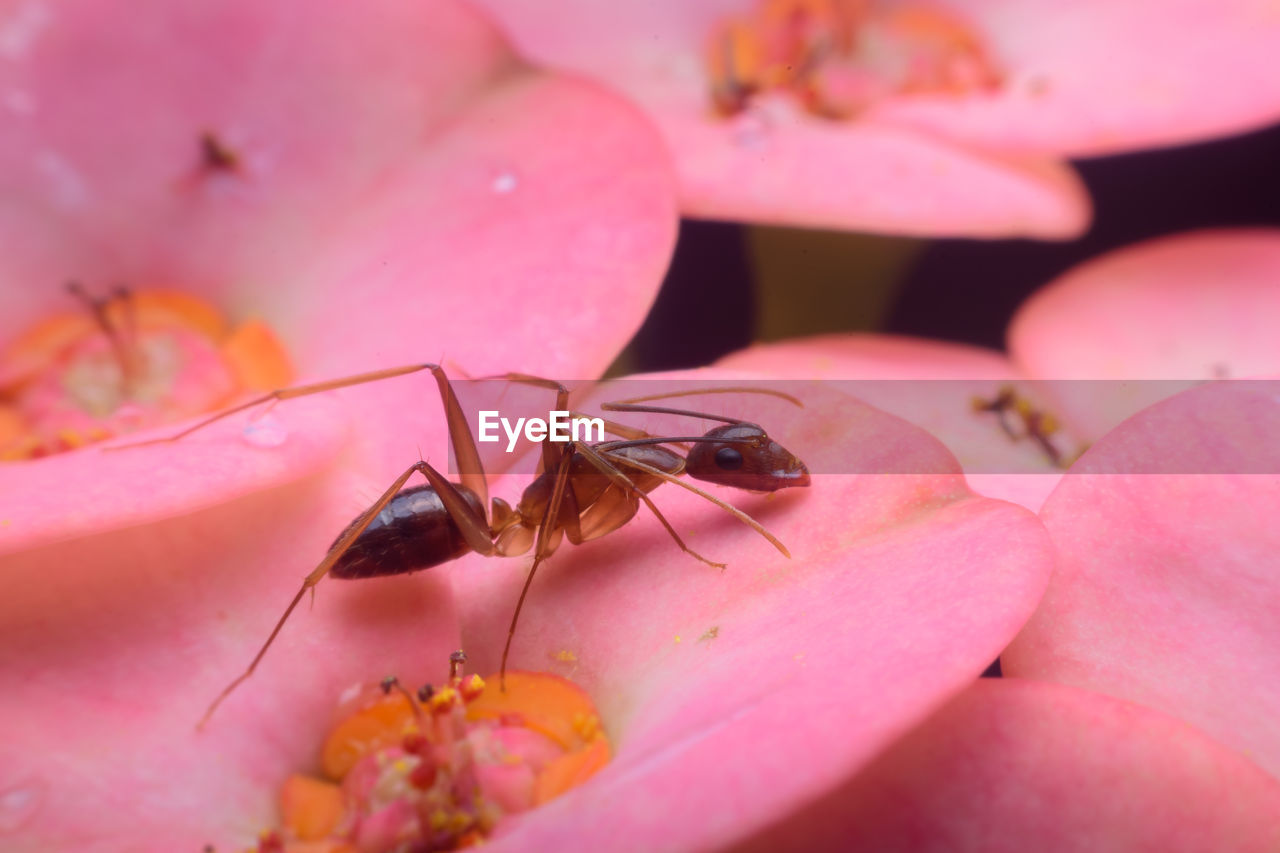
pixel 410 194
pixel 929 383
pixel 776 165
pixel 808 173
pixel 1092 77
pixel 1181 309
pixel 78 494
pixel 732 697
pixel 900 591
pixel 106 161
pixel 112 646
pixel 1015 765
pixel 1165 591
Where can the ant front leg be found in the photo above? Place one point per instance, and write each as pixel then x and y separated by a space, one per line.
pixel 601 461
pixel 544 545
pixel 550 456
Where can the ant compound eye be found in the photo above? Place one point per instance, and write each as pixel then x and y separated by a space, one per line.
pixel 728 458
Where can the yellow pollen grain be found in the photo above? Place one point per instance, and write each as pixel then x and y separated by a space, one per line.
pixel 444 698
pixel 586 727
pixel 677 639
pixel 472 686
pixel 566 656
pixel 438 820
pixel 400 766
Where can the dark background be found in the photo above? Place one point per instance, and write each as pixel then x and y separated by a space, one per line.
pixel 731 284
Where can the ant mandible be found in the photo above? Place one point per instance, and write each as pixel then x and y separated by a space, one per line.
pixel 581 494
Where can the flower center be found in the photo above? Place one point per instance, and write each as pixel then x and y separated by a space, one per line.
pixel 134 360
pixel 440 770
pixel 837 57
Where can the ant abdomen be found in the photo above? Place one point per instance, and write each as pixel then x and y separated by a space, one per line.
pixel 414 531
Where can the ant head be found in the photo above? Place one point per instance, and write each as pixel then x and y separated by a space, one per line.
pixel 742 455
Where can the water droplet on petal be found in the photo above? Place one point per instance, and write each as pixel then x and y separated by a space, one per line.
pixel 265 431
pixel 750 131
pixel 19 804
pixel 504 182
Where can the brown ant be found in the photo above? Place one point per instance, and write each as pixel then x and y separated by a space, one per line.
pixel 584 491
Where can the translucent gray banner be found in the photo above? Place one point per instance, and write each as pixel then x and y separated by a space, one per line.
pixel 987 426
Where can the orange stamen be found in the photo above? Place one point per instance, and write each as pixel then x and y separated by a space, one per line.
pixel 257 357
pixel 310 808
pixel 545 703
pixel 379 725
pixel 570 770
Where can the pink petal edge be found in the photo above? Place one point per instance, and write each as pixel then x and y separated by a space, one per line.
pixel 1165 591
pixel 1013 765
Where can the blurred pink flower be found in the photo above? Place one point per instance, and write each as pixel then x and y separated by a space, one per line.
pixel 383 186
pixel 1165 590
pixel 402 191
pixel 1174 312
pixel 958 112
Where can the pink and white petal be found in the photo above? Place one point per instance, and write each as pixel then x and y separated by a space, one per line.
pixel 1179 309
pixel 732 697
pixel 1013 765
pixel 931 384
pixel 83 493
pixel 112 646
pixel 1165 591
pixel 873 357
pixel 103 160
pixel 796 170
pixel 776 165
pixel 528 235
pixel 461 251
pixel 1090 78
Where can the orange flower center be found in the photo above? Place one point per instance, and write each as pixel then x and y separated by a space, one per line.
pixel 439 771
pixel 837 57
pixel 133 361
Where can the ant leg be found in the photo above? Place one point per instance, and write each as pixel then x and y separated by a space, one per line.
pixel 460 436
pixel 550 455
pixel 602 463
pixel 473 527
pixel 727 507
pixel 543 547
